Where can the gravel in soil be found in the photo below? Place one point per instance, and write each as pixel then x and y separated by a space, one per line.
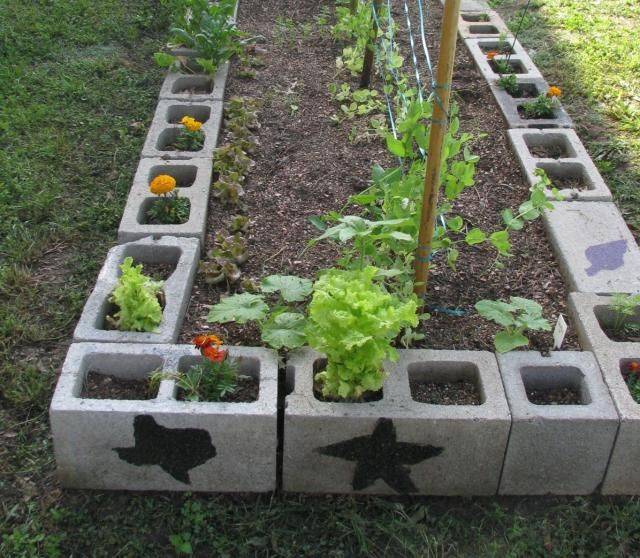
pixel 463 392
pixel 306 166
pixel 568 182
pixel 556 396
pixel 553 151
pixel 246 391
pixel 107 386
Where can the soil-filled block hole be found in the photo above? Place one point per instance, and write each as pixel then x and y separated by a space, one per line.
pixel 171 257
pixel 553 386
pixel 192 85
pixel 618 328
pixel 248 381
pixel 175 113
pixel 166 139
pixel 319 365
pixel 185 175
pixel 483 29
pixel 525 91
pixel 515 66
pixel 161 443
pixel 563 426
pixel 144 218
pixel 549 146
pixel 567 176
pixel 445 383
pixel 630 370
pixel 475 17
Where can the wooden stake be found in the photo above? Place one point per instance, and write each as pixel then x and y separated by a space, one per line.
pixel 367 64
pixel 444 72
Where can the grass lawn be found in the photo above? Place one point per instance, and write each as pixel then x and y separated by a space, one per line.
pixel 592 51
pixel 78 90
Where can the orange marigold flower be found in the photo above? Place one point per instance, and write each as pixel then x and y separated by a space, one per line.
pixel 213 353
pixel 492 54
pixel 202 341
pixel 554 91
pixel 634 366
pixel 191 124
pixel 162 184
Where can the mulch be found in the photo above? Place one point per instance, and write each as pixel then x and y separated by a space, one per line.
pixel 107 386
pixel 306 166
pixel 462 392
pixel 557 396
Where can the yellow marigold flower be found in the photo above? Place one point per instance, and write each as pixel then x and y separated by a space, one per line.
pixel 191 124
pixel 492 54
pixel 554 91
pixel 162 184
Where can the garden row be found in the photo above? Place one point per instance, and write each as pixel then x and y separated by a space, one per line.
pixel 488 437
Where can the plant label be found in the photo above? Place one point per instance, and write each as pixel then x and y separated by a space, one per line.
pixel 559 332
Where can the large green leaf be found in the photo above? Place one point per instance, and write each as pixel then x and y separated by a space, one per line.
pixel 241 308
pixel 506 341
pixel 290 287
pixel 496 311
pixel 284 330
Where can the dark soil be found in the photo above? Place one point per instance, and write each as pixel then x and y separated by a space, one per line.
pixel 158 271
pixel 622 335
pixel 523 93
pixel 553 151
pixel 246 391
pixel 307 166
pixel 463 392
pixel 568 182
pixel 557 396
pixel 515 67
pixel 107 386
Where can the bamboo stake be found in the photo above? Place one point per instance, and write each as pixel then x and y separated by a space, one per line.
pixel 436 138
pixel 367 64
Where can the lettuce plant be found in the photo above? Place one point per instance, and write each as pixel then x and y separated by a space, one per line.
pixel 353 321
pixel 136 296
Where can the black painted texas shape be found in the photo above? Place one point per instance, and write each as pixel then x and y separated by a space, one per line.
pixel 380 456
pixel 176 450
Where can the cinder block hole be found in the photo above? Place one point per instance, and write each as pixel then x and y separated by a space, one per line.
pixel 618 328
pixel 525 91
pixel 185 175
pixel 475 17
pixel 516 66
pixel 193 85
pixel 144 218
pixel 630 370
pixel 568 176
pixel 319 365
pixel 548 385
pixel 119 376
pixel 446 383
pixel 534 119
pixel 480 29
pixel 247 387
pixel 167 137
pixel 549 146
pixel 175 113
pixel 503 47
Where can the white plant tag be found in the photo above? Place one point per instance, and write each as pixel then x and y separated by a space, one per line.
pixel 559 332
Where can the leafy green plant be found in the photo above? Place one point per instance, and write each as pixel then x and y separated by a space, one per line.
pixel 360 102
pixel 355 28
pixel 516 317
pixel 136 297
pixel 215 271
pixel 169 210
pixel 624 307
pixel 631 375
pixel 353 321
pixel 509 83
pixel 541 107
pixel 502 66
pixel 209 381
pixel 282 324
pixel 206 27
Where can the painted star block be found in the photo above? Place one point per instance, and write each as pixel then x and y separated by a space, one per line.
pixel 397 445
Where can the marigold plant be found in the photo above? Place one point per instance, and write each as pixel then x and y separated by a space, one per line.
pixel 191 124
pixel 162 184
pixel 554 91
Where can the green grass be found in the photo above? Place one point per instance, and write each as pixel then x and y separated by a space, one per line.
pixel 592 51
pixel 78 91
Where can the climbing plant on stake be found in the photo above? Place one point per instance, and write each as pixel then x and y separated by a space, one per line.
pixel 442 91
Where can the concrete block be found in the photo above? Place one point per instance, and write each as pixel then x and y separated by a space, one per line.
pixel 163 443
pixel 623 475
pixel 194 183
pixel 591 315
pixel 594 247
pixel 509 106
pixel 195 88
pixel 397 444
pixel 181 253
pixel 573 163
pixel 484 23
pixel 556 449
pixel 520 61
pixel 166 126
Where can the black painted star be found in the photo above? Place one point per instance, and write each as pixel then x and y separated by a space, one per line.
pixel 175 450
pixel 381 456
